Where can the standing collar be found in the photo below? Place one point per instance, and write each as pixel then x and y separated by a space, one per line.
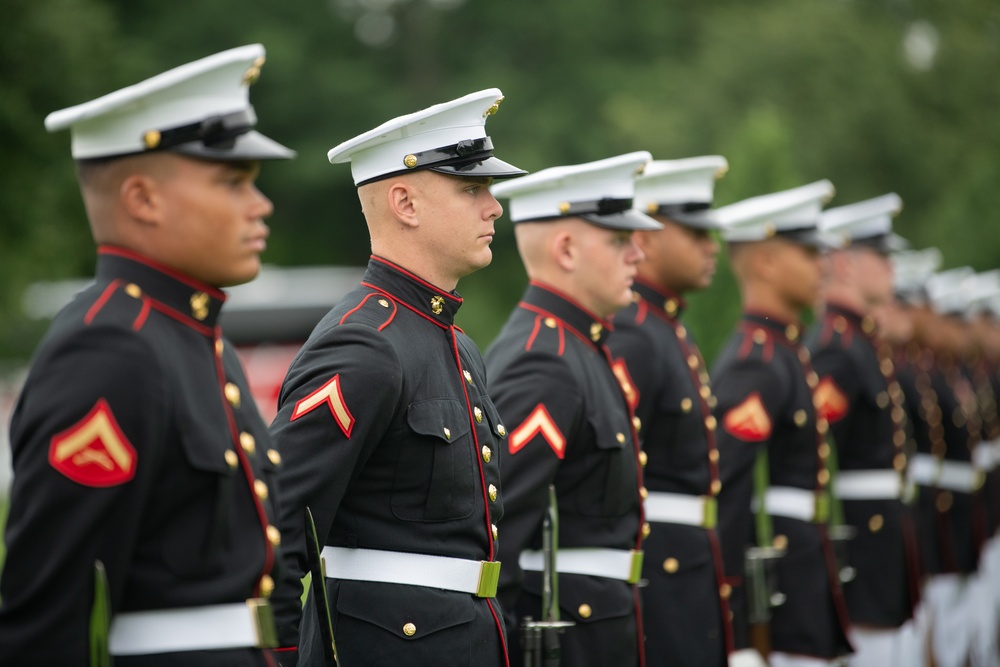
pixel 787 332
pixel 419 295
pixel 585 324
pixel 663 300
pixel 844 316
pixel 190 298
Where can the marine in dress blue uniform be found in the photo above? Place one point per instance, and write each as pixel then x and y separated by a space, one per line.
pixel 570 424
pixel 860 398
pixel 385 425
pixel 685 614
pixel 772 447
pixel 136 443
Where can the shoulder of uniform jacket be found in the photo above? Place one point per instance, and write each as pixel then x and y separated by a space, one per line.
pixel 373 309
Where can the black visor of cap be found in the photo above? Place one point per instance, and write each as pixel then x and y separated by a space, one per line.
pixel 811 237
pixel 691 214
pixel 222 137
pixel 884 244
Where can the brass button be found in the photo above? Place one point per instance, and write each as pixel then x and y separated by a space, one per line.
pixel 686 405
pixel 595 331
pixel 725 590
pixel 643 458
pixel 232 394
pixel 899 461
pixel 705 391
pixel 703 376
pixel 384 303
pixel 584 611
pixel 899 438
pixel 219 347
pixel 671 565
pixel 274 456
pixel 804 355
pixel 409 629
pixel 501 431
pixel 840 324
pixel 823 450
pixel 944 501
pixel 780 542
pixel 493 527
pixel 800 418
pixel 468 376
pixel 478 414
pixel 133 290
pixel 248 442
pixel 447 433
pixel 550 322
pixel 437 305
pixel 692 362
pixel 487 454
pixel 792 332
pixel 882 400
pixel 199 305
pixel 493 493
pixel 682 333
pixel 716 487
pixel 875 523
pixel 273 536
pixel 151 139
pixel 812 379
pixel 266 585
pixel 759 336
pixel 620 437
pixel 898 414
pixel 636 424
pixel 713 455
pixel 885 365
pixel 670 306
pixel 232 458
pixel 260 488
pixel 712 401
pixel 823 477
pixel 711 423
pixel 868 324
pixel 822 425
pixel 646 529
pixel 643 492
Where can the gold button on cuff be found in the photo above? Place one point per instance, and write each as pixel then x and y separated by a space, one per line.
pixel 493 527
pixel 493 493
pixel 711 423
pixel 686 404
pixel 584 611
pixel 487 454
pixel 550 322
pixel 248 442
pixel 409 629
pixel 266 585
pixel 274 457
pixel 478 414
pixel 646 529
pixel 800 418
pixel 232 458
pixel 643 458
pixel 273 536
pixel 875 523
pixel 716 487
pixel 671 565
pixel 260 488
pixel 232 394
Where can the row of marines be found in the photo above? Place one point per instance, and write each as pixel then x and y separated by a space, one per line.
pixel 822 497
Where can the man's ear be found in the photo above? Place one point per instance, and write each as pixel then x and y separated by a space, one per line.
pixel 564 250
pixel 141 198
pixel 402 203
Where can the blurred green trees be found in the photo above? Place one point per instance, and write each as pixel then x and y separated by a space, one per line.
pixel 877 96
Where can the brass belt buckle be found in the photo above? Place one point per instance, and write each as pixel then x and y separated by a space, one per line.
pixel 263 622
pixel 489 576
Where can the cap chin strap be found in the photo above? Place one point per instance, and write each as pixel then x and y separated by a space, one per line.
pixel 217 132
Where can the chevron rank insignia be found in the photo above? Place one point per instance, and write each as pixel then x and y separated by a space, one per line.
pixel 539 422
pixel 331 396
pixel 830 401
pixel 749 420
pixel 94 452
pixel 625 380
